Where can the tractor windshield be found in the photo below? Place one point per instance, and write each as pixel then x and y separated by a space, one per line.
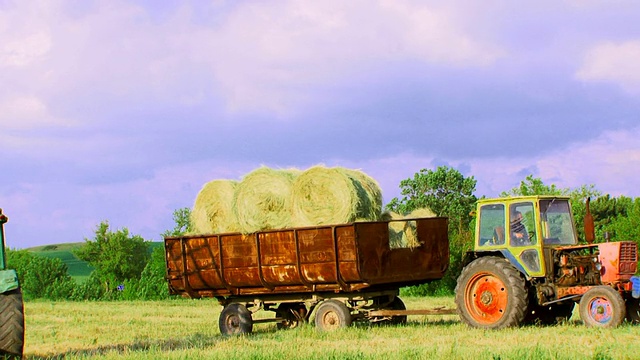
pixel 557 223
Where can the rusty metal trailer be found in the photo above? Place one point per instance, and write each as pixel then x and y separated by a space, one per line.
pixel 340 273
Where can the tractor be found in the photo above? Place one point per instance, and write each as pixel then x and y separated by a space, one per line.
pixel 11 305
pixel 527 267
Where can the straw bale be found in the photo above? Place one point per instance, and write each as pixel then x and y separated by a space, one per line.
pixel 262 200
pixel 323 196
pixel 403 234
pixel 212 210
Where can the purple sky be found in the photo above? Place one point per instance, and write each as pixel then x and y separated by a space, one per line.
pixel 122 110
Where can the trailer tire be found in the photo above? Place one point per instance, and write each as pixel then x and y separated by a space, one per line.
pixel 293 315
pixel 633 310
pixel 398 304
pixel 332 315
pixel 491 294
pixel 235 319
pixel 602 306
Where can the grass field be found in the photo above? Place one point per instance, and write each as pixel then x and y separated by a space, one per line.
pixel 188 329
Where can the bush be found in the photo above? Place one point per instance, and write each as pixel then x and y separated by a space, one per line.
pixel 40 277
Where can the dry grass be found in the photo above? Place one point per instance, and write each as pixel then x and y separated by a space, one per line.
pixel 187 329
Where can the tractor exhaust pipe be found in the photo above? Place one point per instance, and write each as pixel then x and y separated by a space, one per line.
pixel 589 228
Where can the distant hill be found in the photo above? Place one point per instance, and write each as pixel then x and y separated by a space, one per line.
pixel 78 269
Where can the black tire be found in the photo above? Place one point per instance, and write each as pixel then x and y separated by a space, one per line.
pixel 491 294
pixel 293 315
pixel 602 306
pixel 235 319
pixel 633 310
pixel 398 304
pixel 332 315
pixel 11 323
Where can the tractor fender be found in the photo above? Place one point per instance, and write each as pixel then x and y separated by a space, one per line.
pixel 472 255
pixel 8 280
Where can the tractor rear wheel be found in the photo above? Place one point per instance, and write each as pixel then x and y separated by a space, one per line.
pixel 11 323
pixel 602 306
pixel 491 294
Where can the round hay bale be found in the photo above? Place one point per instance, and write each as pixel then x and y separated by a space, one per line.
pixel 372 206
pixel 262 200
pixel 212 210
pixel 323 196
pixel 420 213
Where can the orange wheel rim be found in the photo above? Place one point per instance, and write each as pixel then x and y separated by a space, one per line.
pixel 486 298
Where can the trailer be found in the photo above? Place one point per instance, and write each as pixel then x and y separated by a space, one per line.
pixel 336 273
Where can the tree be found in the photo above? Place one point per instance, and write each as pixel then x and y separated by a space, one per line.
pixel 444 191
pixel 182 222
pixel 534 186
pixel 116 256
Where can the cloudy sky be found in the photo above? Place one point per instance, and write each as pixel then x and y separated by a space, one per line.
pixel 121 110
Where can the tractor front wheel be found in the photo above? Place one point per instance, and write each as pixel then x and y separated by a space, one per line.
pixel 602 306
pixel 11 323
pixel 491 294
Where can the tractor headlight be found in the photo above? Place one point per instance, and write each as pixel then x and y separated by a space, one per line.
pixel 598 266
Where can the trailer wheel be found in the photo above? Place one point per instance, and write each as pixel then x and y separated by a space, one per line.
pixel 602 306
pixel 491 294
pixel 235 319
pixel 11 323
pixel 633 310
pixel 331 315
pixel 293 315
pixel 398 304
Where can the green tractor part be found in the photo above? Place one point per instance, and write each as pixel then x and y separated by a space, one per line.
pixel 11 304
pixel 527 267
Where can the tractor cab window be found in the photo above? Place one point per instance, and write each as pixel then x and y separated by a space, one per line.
pixel 522 230
pixel 557 223
pixel 491 225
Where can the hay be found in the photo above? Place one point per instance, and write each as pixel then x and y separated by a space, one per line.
pixel 372 203
pixel 212 211
pixel 404 234
pixel 323 196
pixel 262 200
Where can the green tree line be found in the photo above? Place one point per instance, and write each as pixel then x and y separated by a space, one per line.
pixel 126 268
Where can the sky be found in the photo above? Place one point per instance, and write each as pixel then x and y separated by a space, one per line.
pixel 120 111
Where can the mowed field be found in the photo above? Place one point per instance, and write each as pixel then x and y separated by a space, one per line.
pixel 188 329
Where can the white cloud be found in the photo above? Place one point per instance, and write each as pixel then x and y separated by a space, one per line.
pixel 265 53
pixel 25 113
pixel 24 50
pixel 617 63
